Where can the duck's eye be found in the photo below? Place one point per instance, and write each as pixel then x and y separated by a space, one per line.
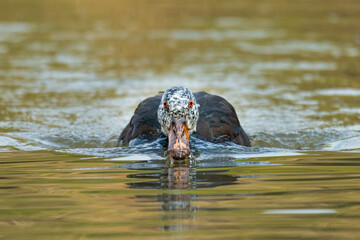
pixel 191 104
pixel 165 104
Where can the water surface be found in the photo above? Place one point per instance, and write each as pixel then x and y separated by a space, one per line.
pixel 72 73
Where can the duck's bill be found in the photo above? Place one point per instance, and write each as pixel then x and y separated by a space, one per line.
pixel 178 137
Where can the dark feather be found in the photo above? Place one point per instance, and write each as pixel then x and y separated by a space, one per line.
pixel 144 123
pixel 217 122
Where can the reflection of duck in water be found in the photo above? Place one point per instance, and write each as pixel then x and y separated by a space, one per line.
pixel 174 180
pixel 179 175
pixel 178 113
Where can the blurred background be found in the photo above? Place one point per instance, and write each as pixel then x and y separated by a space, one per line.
pixel 73 71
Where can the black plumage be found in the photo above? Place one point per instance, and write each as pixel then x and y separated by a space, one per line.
pixel 217 122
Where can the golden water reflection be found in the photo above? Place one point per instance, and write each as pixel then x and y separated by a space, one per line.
pixel 72 73
pixel 68 196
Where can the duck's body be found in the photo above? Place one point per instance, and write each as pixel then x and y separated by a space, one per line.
pixel 217 121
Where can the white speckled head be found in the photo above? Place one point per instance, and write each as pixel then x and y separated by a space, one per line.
pixel 178 102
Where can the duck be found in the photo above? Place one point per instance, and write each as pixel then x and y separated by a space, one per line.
pixel 179 113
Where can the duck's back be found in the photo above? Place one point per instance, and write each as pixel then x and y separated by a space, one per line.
pixel 217 122
pixel 144 123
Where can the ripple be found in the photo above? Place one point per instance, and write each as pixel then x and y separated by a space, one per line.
pixel 300 211
pixel 215 35
pixel 288 65
pixel 339 91
pixel 133 157
pixel 345 144
pixel 8 144
pixel 12 31
pixel 300 47
pixel 267 154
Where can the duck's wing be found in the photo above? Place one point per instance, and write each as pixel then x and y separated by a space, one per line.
pixel 218 121
pixel 144 123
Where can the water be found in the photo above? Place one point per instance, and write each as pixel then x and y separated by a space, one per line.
pixel 72 73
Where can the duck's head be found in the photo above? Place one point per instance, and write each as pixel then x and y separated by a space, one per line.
pixel 178 114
